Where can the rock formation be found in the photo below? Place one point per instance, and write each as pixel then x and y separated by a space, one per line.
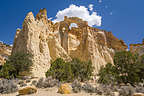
pixel 47 41
pixel 32 38
pixel 5 51
pixel 137 48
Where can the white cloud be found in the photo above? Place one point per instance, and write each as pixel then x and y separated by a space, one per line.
pixel 1 42
pixel 81 12
pixel 91 7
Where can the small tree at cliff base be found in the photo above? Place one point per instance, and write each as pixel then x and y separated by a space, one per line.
pixel 60 70
pixel 68 71
pixel 127 68
pixel 16 64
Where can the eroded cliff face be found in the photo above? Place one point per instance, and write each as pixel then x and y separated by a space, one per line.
pixel 137 48
pixel 47 41
pixel 32 38
pixel 5 51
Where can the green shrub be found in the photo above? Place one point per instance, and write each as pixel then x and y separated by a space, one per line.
pixel 8 71
pixel 127 65
pixel 141 67
pixel 81 70
pixel 68 71
pixel 127 68
pixel 107 74
pixel 16 64
pixel 60 70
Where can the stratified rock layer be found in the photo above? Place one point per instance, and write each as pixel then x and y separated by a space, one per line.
pixel 47 41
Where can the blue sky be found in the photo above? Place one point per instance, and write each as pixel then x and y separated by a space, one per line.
pixel 125 18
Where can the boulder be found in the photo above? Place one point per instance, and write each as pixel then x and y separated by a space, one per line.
pixel 138 94
pixel 27 90
pixel 64 89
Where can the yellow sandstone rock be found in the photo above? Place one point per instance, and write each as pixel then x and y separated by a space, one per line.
pixel 64 89
pixel 138 94
pixel 27 90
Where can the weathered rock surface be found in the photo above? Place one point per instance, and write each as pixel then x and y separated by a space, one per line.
pixel 33 39
pixel 47 41
pixel 137 48
pixel 5 51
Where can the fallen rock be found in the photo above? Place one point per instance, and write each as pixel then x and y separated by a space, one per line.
pixel 64 89
pixel 27 90
pixel 138 94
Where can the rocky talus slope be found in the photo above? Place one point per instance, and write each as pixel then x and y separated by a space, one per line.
pixel 5 51
pixel 47 41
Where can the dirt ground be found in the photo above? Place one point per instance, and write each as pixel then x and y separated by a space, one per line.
pixel 52 92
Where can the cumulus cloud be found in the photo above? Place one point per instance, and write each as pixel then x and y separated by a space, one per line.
pixel 79 11
pixel 91 7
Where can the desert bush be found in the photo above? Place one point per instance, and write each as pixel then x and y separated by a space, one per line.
pixel 68 71
pixel 7 86
pixel 127 68
pixel 107 74
pixel 34 82
pixel 8 71
pixel 76 86
pixel 81 70
pixel 89 88
pixel 60 70
pixel 46 83
pixel 16 64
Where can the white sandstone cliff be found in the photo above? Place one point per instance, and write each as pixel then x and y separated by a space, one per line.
pixel 47 41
